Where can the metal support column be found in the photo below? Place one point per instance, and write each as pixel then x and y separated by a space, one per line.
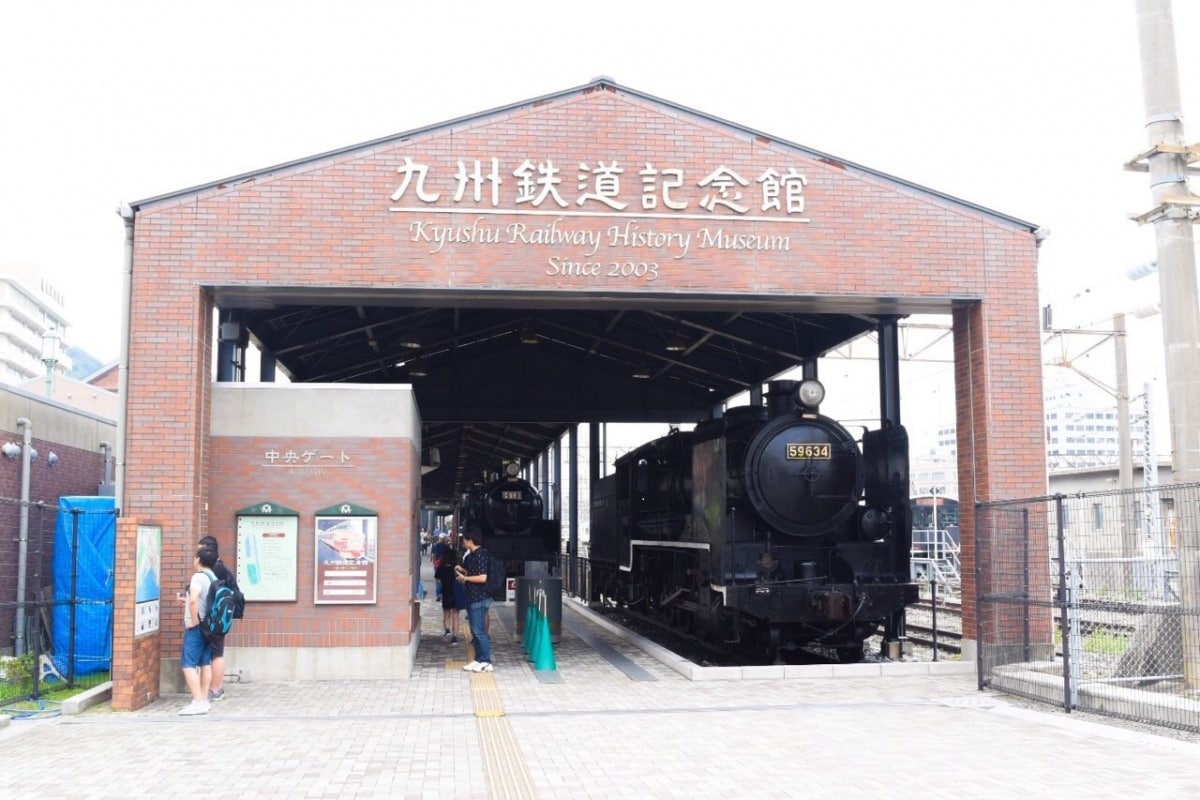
pixel 896 627
pixel 573 501
pixel 228 334
pixel 889 370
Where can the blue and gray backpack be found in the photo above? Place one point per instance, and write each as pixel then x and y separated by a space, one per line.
pixel 221 607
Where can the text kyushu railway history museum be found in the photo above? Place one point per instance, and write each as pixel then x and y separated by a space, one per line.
pixel 613 222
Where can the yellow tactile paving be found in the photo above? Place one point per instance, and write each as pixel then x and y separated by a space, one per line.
pixel 504 765
pixel 485 696
pixel 507 776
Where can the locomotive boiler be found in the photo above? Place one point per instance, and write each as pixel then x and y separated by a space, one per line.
pixel 768 529
pixel 510 513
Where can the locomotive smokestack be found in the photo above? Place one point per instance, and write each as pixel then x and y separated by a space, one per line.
pixel 781 398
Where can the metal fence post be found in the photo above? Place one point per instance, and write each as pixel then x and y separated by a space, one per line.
pixel 1028 653
pixel 1063 598
pixel 933 599
pixel 980 541
pixel 37 652
pixel 73 633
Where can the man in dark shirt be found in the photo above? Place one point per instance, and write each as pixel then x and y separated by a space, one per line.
pixel 472 573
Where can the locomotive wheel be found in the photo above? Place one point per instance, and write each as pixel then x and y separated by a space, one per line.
pixel 678 619
pixel 851 654
pixel 766 648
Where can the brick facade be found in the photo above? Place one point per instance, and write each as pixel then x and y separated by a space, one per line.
pixel 384 472
pixel 326 223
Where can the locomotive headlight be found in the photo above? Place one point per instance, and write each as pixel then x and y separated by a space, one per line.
pixel 810 393
pixel 512 469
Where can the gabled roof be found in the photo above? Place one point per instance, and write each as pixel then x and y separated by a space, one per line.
pixel 500 374
pixel 597 84
pixel 101 372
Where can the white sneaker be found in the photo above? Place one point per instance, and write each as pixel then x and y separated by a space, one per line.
pixel 472 667
pixel 485 666
pixel 193 709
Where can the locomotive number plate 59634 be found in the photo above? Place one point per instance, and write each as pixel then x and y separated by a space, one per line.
pixel 801 452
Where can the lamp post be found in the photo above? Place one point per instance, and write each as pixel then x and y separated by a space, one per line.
pixel 51 341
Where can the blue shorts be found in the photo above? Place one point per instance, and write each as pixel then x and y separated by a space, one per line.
pixel 196 652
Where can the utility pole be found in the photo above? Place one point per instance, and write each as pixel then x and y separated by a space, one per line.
pixel 1174 211
pixel 1129 542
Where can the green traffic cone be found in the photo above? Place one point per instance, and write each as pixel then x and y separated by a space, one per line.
pixel 528 633
pixel 535 635
pixel 544 658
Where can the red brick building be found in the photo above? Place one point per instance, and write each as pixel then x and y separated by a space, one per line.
pixel 710 209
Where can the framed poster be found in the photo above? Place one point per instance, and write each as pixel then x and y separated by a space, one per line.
pixel 147 600
pixel 268 549
pixel 347 547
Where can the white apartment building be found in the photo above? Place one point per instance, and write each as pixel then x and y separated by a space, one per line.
pixel 30 307
pixel 1082 426
pixel 1081 435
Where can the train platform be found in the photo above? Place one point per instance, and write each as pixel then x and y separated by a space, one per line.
pixel 611 721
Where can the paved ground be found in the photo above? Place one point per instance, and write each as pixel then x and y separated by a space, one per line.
pixel 616 724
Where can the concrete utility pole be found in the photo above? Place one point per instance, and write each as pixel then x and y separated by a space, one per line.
pixel 1174 212
pixel 1129 543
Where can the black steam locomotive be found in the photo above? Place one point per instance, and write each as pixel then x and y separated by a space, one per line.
pixel 768 530
pixel 510 513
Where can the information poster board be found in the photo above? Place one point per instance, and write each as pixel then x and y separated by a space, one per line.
pixel 268 549
pixel 147 608
pixel 347 547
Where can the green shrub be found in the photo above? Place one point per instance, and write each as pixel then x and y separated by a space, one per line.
pixel 1106 642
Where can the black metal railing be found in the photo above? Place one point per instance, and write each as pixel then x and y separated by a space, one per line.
pixel 55 604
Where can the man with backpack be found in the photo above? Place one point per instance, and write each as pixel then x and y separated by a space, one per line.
pixel 473 574
pixel 196 656
pixel 217 640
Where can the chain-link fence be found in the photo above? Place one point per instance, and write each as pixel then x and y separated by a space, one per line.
pixel 1092 601
pixel 55 601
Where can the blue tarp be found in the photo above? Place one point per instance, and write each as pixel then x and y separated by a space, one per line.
pixel 83 560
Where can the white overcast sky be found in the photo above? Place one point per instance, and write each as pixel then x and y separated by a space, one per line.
pixel 1028 107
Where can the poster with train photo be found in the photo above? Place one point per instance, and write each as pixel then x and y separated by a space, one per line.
pixel 346 555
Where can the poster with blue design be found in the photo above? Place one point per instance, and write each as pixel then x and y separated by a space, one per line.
pixel 268 549
pixel 147 589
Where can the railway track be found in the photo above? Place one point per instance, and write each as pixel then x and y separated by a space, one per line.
pixel 1113 617
pixel 942 640
pixel 1114 620
pixel 941 632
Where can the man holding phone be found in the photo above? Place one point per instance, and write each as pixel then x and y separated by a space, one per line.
pixel 196 656
pixel 472 573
